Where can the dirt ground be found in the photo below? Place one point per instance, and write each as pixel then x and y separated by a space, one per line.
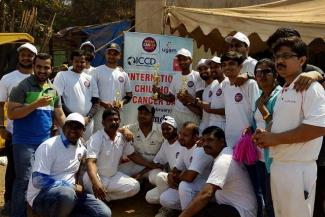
pixel 133 207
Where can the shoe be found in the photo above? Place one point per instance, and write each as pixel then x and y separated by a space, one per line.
pixel 3 161
pixel 167 212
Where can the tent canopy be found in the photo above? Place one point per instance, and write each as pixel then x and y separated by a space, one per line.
pixel 15 37
pixel 209 26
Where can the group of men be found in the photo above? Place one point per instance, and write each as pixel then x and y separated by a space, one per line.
pixel 187 158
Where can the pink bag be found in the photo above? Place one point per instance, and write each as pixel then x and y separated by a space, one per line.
pixel 245 151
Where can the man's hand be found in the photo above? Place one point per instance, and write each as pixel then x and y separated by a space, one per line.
pixel 263 138
pixel 106 105
pixel 155 89
pixel 171 182
pixel 43 101
pixel 87 120
pixel 99 191
pixel 304 80
pixel 240 79
pixel 127 134
pixel 78 188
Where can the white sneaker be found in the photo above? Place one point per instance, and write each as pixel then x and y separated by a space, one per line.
pixel 3 161
pixel 166 212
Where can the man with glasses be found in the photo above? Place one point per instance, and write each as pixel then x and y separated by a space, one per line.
pixel 296 134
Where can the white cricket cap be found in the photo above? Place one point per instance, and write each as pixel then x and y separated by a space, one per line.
pixel 202 62
pixel 215 59
pixel 169 120
pixel 240 37
pixel 76 117
pixel 87 43
pixel 184 52
pixel 28 46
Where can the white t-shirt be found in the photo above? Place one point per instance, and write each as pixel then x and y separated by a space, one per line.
pixel 195 159
pixel 107 152
pixel 148 146
pixel 54 159
pixel 7 82
pixel 292 109
pixel 194 84
pixel 239 107
pixel 89 71
pixel 249 66
pixel 217 102
pixel 110 81
pixel 236 188
pixel 168 153
pixel 260 124
pixel 76 90
pixel 207 97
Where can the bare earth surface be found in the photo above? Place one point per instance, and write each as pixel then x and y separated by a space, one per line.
pixel 133 207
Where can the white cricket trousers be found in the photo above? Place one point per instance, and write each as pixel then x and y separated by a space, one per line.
pixel 119 186
pixel 160 180
pixel 293 188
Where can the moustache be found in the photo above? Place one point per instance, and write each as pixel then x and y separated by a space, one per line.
pixel 280 65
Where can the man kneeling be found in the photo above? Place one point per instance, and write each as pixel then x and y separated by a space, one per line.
pixel 53 190
pixel 228 182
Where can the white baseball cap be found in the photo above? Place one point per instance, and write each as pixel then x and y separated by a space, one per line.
pixel 76 117
pixel 87 43
pixel 202 62
pixel 169 120
pixel 240 37
pixel 184 52
pixel 216 59
pixel 28 46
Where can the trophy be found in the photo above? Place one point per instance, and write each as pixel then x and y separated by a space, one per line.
pixel 183 89
pixel 118 103
pixel 155 80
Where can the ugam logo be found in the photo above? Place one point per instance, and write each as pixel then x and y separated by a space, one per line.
pixel 169 48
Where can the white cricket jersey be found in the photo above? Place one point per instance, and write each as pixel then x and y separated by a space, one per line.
pixel 168 153
pixel 8 82
pixel 248 66
pixel 194 83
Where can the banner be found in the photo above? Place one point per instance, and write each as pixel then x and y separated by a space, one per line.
pixel 148 56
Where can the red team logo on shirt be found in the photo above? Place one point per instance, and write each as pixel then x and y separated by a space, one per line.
pixel 121 79
pixel 238 97
pixel 87 83
pixel 210 93
pixel 219 92
pixel 190 84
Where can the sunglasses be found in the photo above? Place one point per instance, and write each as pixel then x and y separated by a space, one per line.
pixel 284 56
pixel 260 72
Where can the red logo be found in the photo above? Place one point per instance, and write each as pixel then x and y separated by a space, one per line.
pixel 238 97
pixel 219 92
pixel 149 44
pixel 190 84
pixel 121 79
pixel 87 83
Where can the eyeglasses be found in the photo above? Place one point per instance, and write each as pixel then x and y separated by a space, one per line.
pixel 284 56
pixel 260 72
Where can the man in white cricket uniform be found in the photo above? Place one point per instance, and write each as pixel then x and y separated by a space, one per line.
pixel 239 101
pixel 240 43
pixel 113 83
pixel 26 54
pixel 228 183
pixel 183 90
pixel 167 156
pixel 53 188
pixel 89 49
pixel 147 142
pixel 296 135
pixel 105 150
pixel 190 173
pixel 78 91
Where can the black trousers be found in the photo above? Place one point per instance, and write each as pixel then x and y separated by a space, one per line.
pixel 320 192
pixel 10 171
pixel 214 209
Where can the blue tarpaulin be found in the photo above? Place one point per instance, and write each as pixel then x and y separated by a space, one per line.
pixel 100 35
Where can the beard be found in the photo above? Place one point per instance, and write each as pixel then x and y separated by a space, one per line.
pixel 28 66
pixel 204 77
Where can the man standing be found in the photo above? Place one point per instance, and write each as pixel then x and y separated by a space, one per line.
pixel 53 189
pixel 26 54
pixel 113 83
pixel 228 183
pixel 147 142
pixel 79 91
pixel 105 150
pixel 240 43
pixel 89 50
pixel 183 90
pixel 32 106
pixel 296 135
